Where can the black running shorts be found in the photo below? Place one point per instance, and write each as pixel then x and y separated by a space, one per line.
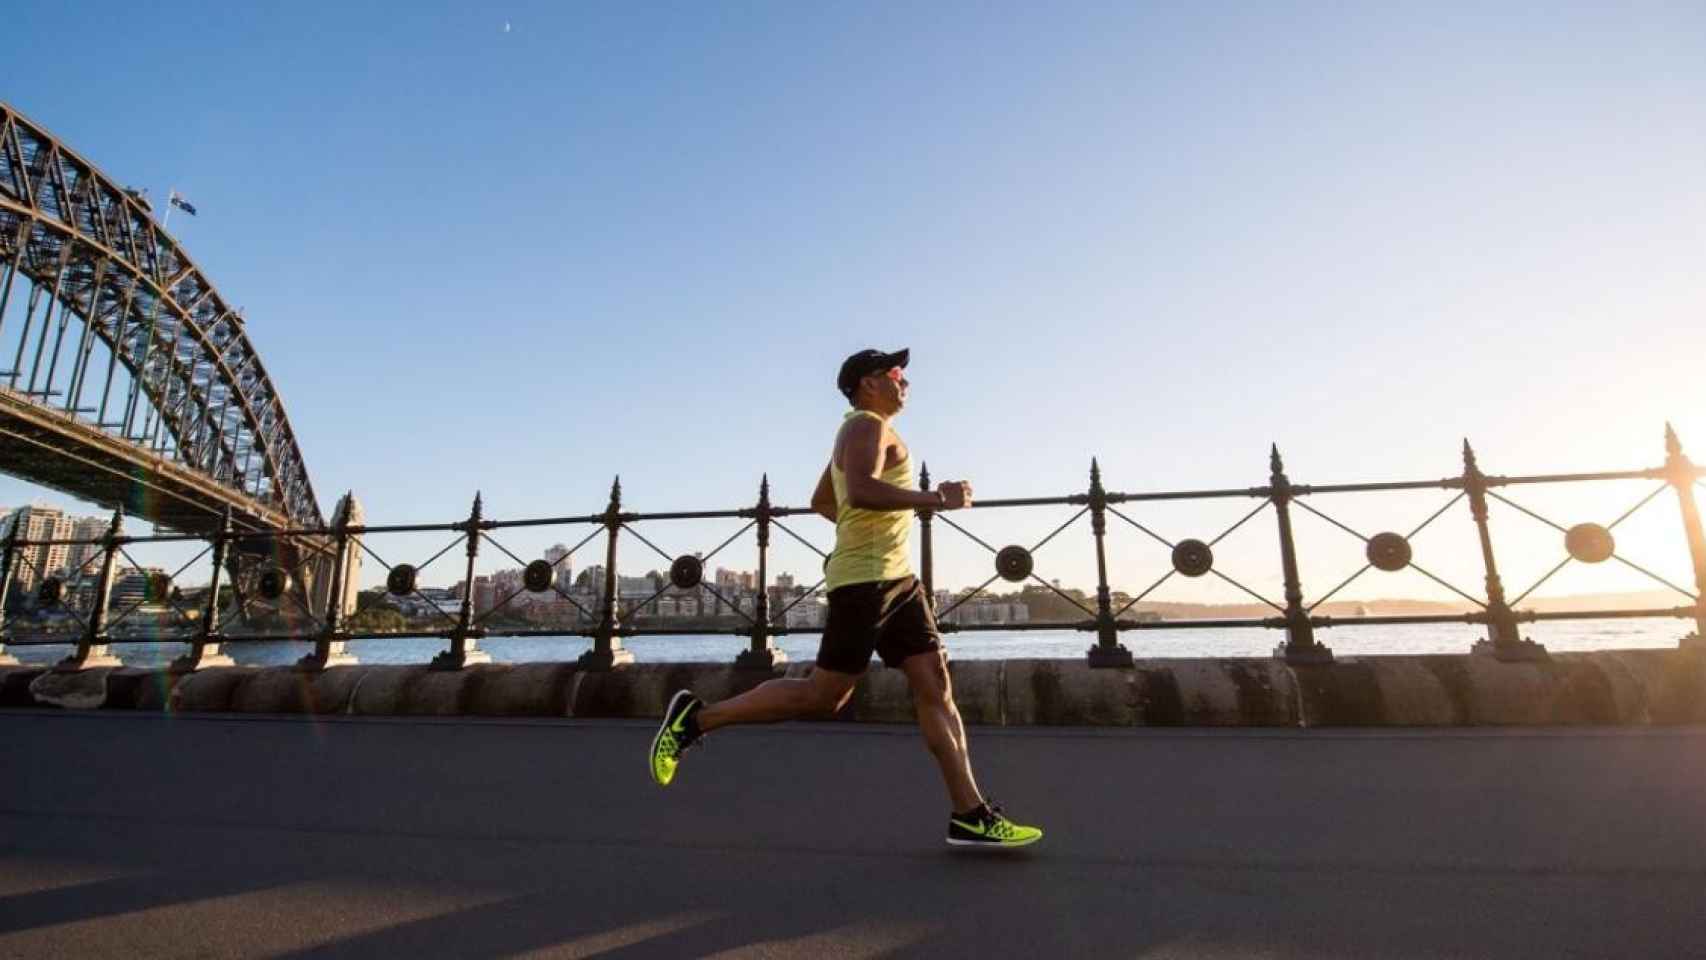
pixel 891 617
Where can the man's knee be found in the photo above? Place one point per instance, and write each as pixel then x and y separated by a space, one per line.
pixel 931 686
pixel 830 701
pixel 829 695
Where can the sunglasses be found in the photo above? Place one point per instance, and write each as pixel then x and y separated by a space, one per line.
pixel 893 373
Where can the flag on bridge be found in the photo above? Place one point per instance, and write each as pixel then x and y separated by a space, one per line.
pixel 181 203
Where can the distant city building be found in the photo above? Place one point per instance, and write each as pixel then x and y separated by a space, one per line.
pixel 132 586
pixel 34 564
pixel 649 596
pixel 506 582
pixel 558 556
pixel 592 578
pixel 980 610
pixel 808 613
pixel 483 594
pixel 81 556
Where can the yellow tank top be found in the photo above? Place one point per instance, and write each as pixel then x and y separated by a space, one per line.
pixel 870 545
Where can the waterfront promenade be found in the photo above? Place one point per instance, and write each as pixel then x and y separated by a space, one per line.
pixel 153 836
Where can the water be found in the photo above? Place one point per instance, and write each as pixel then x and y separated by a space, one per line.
pixel 1558 637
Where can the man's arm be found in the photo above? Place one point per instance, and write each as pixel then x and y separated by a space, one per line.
pixel 823 498
pixel 861 462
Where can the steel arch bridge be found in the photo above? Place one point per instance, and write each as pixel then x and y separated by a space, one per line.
pixel 125 377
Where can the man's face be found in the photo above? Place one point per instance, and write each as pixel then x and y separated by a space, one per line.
pixel 887 390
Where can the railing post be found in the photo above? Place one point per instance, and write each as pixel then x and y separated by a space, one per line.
pixel 761 655
pixel 329 649
pixel 607 651
pixel 1504 639
pixel 1107 650
pixel 1679 472
pixel 92 649
pixel 204 649
pixel 926 549
pixel 464 637
pixel 1301 647
pixel 7 551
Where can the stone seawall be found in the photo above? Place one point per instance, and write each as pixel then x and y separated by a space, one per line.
pixel 1633 687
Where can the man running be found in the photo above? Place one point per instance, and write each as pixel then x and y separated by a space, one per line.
pixel 875 605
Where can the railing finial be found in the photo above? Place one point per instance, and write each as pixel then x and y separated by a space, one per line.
pixel 616 491
pixel 1673 446
pixel 1095 472
pixel 1468 455
pixel 1274 462
pixel 923 475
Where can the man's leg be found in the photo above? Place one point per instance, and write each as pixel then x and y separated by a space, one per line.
pixel 820 694
pixel 974 822
pixel 939 721
pixel 686 719
pixel 848 638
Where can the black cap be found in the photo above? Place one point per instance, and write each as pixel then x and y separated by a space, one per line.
pixel 866 362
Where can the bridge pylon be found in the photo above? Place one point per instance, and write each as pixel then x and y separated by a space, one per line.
pixel 299 585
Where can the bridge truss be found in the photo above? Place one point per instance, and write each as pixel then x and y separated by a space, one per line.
pixel 125 377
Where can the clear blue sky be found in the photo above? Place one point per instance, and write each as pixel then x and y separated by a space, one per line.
pixel 640 240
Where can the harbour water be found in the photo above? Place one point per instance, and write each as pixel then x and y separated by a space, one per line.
pixel 1352 641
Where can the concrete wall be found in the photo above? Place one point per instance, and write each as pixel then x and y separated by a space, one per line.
pixel 1637 687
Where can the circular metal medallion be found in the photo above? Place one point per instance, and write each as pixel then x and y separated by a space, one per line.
pixel 687 570
pixel 1590 543
pixel 274 582
pixel 1389 552
pixel 51 591
pixel 1014 563
pixel 1193 558
pixel 400 582
pixel 539 576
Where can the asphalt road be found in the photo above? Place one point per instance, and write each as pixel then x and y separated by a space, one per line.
pixel 146 836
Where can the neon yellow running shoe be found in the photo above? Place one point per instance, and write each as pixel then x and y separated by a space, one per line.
pixel 989 827
pixel 676 735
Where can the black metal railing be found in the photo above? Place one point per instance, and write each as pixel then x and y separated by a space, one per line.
pixel 299 557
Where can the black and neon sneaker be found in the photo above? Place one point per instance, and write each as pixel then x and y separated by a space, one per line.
pixel 989 827
pixel 676 735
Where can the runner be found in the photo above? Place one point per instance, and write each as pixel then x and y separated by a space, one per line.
pixel 875 605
